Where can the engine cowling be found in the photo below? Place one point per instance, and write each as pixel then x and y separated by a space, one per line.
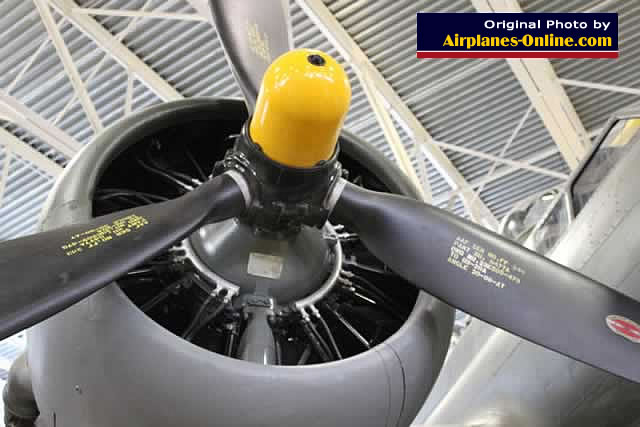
pixel 105 362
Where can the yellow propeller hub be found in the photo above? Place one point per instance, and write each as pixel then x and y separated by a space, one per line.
pixel 302 103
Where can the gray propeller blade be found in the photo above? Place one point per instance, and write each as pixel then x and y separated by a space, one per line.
pixel 497 280
pixel 253 34
pixel 45 273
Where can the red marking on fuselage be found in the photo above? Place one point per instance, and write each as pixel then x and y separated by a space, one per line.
pixel 624 327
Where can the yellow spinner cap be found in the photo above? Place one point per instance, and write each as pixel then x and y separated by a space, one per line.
pixel 303 100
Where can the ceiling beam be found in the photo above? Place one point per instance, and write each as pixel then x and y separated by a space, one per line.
pixel 601 86
pixel 14 111
pixel 515 163
pixel 6 165
pixel 68 64
pixel 360 63
pixel 27 64
pixel 139 14
pixel 541 84
pixel 202 7
pixel 117 50
pixel 390 132
pixel 25 151
pixel 432 87
pixel 500 173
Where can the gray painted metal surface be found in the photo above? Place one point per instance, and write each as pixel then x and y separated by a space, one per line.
pixel 494 378
pixel 103 362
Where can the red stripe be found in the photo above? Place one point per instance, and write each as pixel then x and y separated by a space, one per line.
pixel 505 54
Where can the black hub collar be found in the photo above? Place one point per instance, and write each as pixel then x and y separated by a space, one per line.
pixel 282 197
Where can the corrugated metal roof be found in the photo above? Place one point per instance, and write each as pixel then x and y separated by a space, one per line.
pixel 595 106
pixel 24 193
pixel 471 103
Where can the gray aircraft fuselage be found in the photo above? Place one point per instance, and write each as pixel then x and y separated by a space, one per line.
pixel 493 378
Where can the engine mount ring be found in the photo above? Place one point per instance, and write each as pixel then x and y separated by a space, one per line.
pixel 219 282
pixel 328 284
pixel 233 290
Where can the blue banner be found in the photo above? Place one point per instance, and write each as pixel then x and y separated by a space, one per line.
pixel 517 35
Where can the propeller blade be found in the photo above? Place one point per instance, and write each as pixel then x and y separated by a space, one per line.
pixel 253 34
pixel 496 280
pixel 45 273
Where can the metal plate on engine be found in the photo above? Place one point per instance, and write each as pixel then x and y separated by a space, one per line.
pixel 263 265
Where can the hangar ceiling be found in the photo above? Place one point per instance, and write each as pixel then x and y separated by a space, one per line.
pixel 473 133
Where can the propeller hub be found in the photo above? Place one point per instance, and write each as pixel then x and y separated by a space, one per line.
pixel 287 151
pixel 282 198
